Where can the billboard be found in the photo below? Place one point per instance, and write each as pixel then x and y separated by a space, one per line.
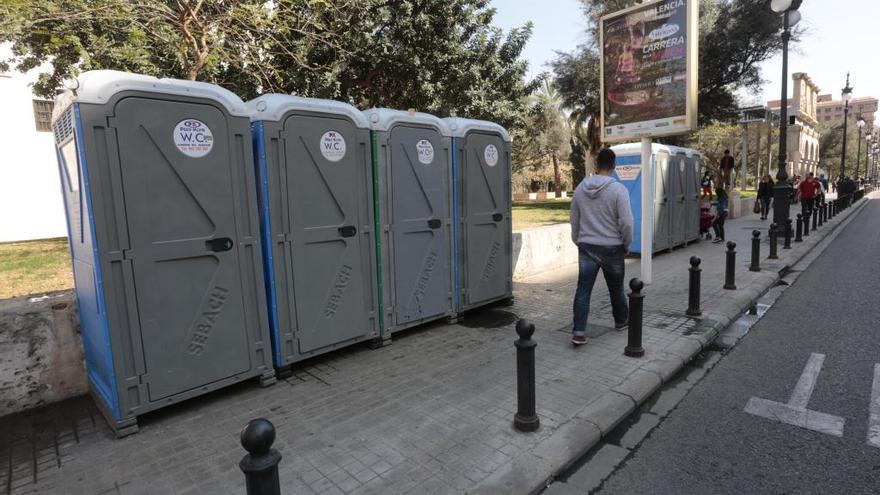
pixel 649 70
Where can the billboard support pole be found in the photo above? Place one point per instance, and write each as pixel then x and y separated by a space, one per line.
pixel 647 223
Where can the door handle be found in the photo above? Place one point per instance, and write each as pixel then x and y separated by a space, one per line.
pixel 497 217
pixel 219 244
pixel 434 223
pixel 348 231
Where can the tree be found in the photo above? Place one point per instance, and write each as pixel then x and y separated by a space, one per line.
pixel 540 141
pixel 831 147
pixel 439 56
pixel 735 37
pixel 578 159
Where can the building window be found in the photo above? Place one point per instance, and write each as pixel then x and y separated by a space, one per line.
pixel 43 115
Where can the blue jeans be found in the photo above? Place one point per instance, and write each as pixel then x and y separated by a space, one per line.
pixel 610 259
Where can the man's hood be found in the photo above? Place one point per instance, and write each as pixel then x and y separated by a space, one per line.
pixel 595 184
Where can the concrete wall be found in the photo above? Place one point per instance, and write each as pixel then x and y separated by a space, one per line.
pixel 30 191
pixel 41 357
pixel 543 248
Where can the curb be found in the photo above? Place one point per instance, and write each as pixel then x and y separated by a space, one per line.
pixel 533 470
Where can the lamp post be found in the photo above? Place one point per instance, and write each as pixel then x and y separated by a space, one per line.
pixel 782 190
pixel 868 138
pixel 860 125
pixel 846 94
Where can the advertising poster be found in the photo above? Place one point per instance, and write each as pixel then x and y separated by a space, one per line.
pixel 649 70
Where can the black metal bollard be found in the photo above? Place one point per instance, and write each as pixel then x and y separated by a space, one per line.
pixel 774 241
pixel 730 269
pixel 260 465
pixel 815 218
pixel 634 338
pixel 694 288
pixel 798 236
pixel 525 419
pixel 787 244
pixel 821 214
pixel 756 251
pixel 807 225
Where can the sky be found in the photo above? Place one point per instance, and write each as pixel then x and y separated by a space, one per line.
pixel 839 38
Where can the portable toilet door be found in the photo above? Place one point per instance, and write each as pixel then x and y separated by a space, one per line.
pixel 692 196
pixel 157 181
pixel 481 204
pixel 629 173
pixel 662 206
pixel 677 196
pixel 411 154
pixel 315 200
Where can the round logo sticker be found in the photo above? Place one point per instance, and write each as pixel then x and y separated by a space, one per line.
pixel 333 146
pixel 193 138
pixel 425 151
pixel 491 155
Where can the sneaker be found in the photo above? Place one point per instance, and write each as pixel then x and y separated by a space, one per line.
pixel 577 340
pixel 621 326
pixel 718 240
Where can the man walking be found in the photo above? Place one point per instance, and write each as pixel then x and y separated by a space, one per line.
pixel 808 189
pixel 601 226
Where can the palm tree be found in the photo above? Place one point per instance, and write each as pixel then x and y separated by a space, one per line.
pixel 548 97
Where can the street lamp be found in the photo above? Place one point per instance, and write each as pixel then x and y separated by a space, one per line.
pixel 846 95
pixel 868 138
pixel 861 125
pixel 782 190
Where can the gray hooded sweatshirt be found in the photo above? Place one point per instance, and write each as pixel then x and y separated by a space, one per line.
pixel 600 213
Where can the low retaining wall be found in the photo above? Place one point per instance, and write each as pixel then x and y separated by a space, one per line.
pixel 538 196
pixel 41 357
pixel 540 249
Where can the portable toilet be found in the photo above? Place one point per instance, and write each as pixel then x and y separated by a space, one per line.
pixel 675 213
pixel 481 207
pixel 315 199
pixel 158 182
pixel 412 168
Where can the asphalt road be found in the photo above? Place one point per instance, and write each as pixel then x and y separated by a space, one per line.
pixel 709 444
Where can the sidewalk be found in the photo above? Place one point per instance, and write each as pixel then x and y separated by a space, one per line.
pixel 431 413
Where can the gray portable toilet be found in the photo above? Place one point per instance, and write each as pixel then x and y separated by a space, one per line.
pixel 158 182
pixel 662 206
pixel 692 195
pixel 481 206
pixel 677 196
pixel 412 164
pixel 315 197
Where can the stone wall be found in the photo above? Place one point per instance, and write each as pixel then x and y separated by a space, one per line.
pixel 41 357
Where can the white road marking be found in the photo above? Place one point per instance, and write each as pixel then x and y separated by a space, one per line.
pixel 795 412
pixel 874 410
pixel 807 382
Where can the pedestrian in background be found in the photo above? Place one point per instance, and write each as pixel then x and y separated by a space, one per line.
pixel 808 189
pixel 765 195
pixel 601 226
pixel 706 184
pixel 722 211
pixel 824 182
pixel 727 166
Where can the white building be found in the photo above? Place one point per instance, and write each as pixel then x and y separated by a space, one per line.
pixel 30 191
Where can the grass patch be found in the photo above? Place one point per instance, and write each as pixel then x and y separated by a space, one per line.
pixel 34 267
pixel 528 214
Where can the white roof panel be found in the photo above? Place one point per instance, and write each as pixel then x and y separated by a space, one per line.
pixel 383 119
pixel 636 148
pixel 274 106
pixel 99 86
pixel 460 127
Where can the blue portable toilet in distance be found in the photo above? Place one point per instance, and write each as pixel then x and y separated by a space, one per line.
pixel 675 181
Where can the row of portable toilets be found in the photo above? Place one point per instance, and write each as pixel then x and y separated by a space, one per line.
pixel 214 241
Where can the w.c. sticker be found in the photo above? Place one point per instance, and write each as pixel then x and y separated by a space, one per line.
pixel 425 150
pixel 193 138
pixel 490 154
pixel 332 146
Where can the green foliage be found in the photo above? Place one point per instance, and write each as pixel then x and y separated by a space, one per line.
pixel 578 159
pixel 541 140
pixel 831 148
pixel 735 37
pixel 439 56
